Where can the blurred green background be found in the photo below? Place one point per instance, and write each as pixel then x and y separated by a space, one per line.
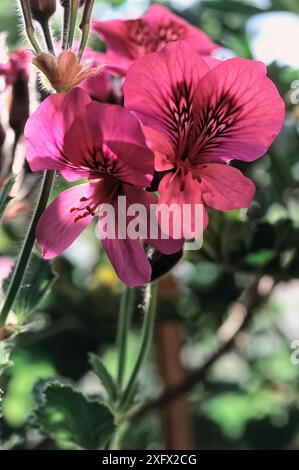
pixel 250 399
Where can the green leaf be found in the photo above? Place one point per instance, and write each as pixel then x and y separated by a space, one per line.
pixel 105 377
pixel 4 194
pixel 37 281
pixel 231 6
pixel 71 419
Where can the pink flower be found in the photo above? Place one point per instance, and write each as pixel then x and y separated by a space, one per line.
pixel 127 40
pixel 6 264
pixel 198 119
pixel 105 144
pixel 17 66
pixel 98 87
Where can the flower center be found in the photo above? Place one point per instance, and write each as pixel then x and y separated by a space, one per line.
pixel 141 39
pixel 169 32
pixel 83 210
pixel 197 131
pixel 101 190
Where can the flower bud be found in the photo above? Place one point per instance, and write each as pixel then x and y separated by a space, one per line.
pixel 42 10
pixel 19 108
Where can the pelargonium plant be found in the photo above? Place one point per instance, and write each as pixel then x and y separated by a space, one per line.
pixel 186 118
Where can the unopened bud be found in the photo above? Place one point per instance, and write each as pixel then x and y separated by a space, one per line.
pixel 42 10
pixel 19 108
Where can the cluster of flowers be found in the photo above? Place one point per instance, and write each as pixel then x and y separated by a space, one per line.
pixel 186 115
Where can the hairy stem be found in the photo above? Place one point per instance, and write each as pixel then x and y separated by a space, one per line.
pixel 48 36
pixel 147 335
pixel 27 247
pixel 29 26
pixel 73 20
pixel 125 314
pixel 85 26
pixel 66 25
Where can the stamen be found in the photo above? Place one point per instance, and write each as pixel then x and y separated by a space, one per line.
pixel 88 210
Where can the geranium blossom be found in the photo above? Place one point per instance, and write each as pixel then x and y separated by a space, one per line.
pixel 17 66
pixel 199 119
pixel 127 40
pixel 105 144
pixel 99 87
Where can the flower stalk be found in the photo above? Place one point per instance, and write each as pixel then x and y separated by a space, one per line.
pixel 42 11
pixel 30 31
pixel 66 25
pixel 85 26
pixel 48 36
pixel 27 247
pixel 147 334
pixel 125 315
pixel 73 20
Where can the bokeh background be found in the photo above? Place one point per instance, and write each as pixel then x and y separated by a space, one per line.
pixel 250 398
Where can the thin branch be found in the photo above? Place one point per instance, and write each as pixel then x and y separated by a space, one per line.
pixel 255 298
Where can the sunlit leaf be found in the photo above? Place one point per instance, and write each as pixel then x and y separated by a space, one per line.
pixel 105 377
pixel 38 280
pixel 71 419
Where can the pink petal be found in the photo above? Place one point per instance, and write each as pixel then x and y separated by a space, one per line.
pixel 110 130
pixel 116 35
pixel 224 187
pixel 56 229
pixel 116 64
pixel 98 87
pixel 160 18
pixel 6 264
pixel 46 128
pixel 211 61
pixel 127 256
pixel 128 40
pixel 157 82
pixel 238 110
pixel 162 148
pixel 129 261
pixel 148 200
pixel 173 190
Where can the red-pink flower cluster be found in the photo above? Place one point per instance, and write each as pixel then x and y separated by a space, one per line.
pixel 185 117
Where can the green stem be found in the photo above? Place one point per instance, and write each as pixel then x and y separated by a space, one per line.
pixel 66 24
pixel 125 315
pixel 147 334
pixel 73 20
pixel 27 247
pixel 85 26
pixel 48 36
pixel 29 25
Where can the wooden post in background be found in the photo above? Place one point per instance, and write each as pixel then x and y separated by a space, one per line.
pixel 176 416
